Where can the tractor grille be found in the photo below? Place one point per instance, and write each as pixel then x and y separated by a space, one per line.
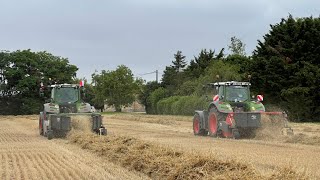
pixel 67 108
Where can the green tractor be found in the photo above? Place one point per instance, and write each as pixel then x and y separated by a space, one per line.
pixel 232 113
pixel 65 103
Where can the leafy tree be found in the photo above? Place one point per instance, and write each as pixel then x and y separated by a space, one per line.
pixel 237 47
pixel 285 67
pixel 169 74
pixel 118 88
pixel 173 75
pixel 243 61
pixel 188 87
pixel 179 62
pixel 26 69
pixel 200 63
pixel 23 71
pixel 219 70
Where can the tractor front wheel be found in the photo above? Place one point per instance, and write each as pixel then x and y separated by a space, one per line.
pixel 50 134
pixel 196 126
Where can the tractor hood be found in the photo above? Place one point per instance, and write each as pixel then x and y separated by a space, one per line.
pixel 256 106
pixel 247 106
pixel 67 108
pixel 223 107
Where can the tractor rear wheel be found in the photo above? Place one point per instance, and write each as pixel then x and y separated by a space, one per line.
pixel 213 119
pixel 196 126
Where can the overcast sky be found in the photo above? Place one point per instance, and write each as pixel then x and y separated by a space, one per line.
pixel 141 34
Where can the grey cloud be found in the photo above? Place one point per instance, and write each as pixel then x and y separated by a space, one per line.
pixel 141 34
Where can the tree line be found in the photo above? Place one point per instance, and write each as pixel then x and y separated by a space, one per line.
pixel 284 67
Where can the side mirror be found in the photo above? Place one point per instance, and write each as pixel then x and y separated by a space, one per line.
pixel 259 98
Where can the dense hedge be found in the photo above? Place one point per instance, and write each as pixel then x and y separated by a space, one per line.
pixel 164 106
pixel 181 105
pixel 155 97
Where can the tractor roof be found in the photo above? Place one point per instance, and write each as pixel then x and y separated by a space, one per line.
pixel 64 85
pixel 231 83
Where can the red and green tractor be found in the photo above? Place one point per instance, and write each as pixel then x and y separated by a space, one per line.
pixel 233 113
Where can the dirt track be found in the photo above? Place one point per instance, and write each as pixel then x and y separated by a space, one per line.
pixel 26 155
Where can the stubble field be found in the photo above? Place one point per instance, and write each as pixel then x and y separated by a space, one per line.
pixel 142 146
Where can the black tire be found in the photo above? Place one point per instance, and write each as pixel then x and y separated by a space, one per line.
pixel 50 134
pixel 103 131
pixel 197 130
pixel 235 134
pixel 40 125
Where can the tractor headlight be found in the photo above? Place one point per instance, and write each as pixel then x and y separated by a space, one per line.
pixel 253 108
pixel 229 106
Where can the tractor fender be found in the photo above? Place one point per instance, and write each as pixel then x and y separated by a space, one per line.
pixel 51 109
pixel 224 107
pixel 41 115
pixel 85 108
pixel 203 119
pixel 41 119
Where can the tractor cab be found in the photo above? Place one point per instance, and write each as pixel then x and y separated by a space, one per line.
pixel 65 98
pixel 234 96
pixel 233 91
pixel 65 93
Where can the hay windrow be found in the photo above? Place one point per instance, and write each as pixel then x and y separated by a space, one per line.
pixel 273 132
pixel 303 139
pixel 271 128
pixel 159 162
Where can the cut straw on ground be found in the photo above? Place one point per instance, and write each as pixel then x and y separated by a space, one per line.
pixel 160 162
